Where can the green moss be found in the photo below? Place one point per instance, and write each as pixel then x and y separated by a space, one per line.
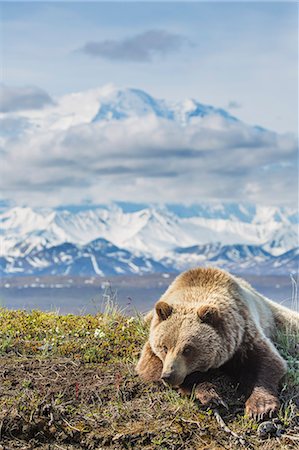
pixel 97 338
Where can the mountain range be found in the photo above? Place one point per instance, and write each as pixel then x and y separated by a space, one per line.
pixel 137 239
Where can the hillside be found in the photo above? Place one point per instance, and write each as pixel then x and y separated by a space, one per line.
pixel 68 383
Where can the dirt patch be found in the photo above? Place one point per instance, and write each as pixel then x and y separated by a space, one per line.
pixel 62 403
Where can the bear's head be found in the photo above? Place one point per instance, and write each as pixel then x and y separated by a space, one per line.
pixel 187 339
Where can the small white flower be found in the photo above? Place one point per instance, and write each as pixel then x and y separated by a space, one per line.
pixel 98 333
pixel 131 320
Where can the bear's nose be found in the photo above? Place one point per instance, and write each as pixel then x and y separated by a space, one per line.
pixel 168 377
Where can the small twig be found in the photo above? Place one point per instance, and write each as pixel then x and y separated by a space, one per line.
pixel 51 421
pixel 71 426
pixel 174 419
pixel 225 428
pixel 289 436
pixel 72 362
pixel 191 421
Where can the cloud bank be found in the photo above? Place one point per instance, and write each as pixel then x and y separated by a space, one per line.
pixel 139 48
pixel 150 159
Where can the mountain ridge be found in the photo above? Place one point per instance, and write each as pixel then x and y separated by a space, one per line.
pixel 110 240
pixel 110 103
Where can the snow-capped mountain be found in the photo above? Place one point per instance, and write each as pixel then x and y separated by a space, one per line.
pixel 121 104
pixel 99 257
pixel 119 239
pixel 105 104
pixel 86 146
pixel 122 132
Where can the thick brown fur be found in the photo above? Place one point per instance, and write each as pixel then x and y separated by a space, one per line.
pixel 149 365
pixel 208 320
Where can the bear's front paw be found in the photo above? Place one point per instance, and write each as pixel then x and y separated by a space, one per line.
pixel 208 396
pixel 261 403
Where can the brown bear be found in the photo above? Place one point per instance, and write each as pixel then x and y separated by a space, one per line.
pixel 208 319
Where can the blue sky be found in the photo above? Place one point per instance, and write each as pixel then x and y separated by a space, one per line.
pixel 242 55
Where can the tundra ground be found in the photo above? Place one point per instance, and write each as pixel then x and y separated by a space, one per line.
pixel 68 382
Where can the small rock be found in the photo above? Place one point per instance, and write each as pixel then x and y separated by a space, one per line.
pixel 270 429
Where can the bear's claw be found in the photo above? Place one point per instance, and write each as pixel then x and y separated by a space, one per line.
pixel 260 404
pixel 223 403
pixel 207 396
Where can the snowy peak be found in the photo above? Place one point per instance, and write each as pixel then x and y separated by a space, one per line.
pixel 108 104
pixel 122 104
pixel 119 104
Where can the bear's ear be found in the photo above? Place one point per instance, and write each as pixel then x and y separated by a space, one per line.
pixel 163 310
pixel 209 314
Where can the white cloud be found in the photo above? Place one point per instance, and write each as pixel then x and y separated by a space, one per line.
pixel 150 159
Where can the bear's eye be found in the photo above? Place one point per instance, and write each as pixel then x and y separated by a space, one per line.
pixel 165 349
pixel 187 351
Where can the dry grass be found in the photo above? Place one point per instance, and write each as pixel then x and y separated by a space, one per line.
pixel 68 382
